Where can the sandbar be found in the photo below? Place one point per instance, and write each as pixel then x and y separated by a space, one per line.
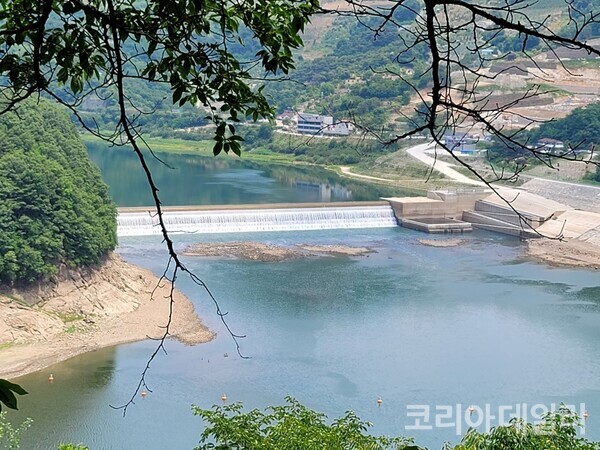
pixel 89 310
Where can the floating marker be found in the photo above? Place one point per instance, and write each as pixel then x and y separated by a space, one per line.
pixel 143 394
pixel 379 401
pixel 224 398
pixel 51 378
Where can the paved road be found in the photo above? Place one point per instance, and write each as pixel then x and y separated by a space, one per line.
pixel 418 152
pixel 578 196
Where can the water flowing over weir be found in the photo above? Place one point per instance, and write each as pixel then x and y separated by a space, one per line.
pixel 248 220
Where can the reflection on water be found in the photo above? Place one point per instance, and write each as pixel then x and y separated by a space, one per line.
pixel 197 180
pixel 416 325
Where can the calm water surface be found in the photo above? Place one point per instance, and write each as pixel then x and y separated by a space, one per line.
pixel 473 324
pixel 197 180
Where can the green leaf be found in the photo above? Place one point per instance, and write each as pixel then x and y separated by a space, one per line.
pixel 5 384
pixel 8 398
pixel 235 147
pixel 7 394
pixel 151 47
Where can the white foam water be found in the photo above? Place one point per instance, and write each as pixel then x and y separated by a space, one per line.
pixel 235 221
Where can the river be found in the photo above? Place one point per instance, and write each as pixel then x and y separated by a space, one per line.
pixel 203 180
pixel 422 327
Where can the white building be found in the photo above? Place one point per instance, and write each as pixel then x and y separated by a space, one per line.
pixel 316 124
pixel 548 145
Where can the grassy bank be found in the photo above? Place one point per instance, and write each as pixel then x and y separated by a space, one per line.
pixel 403 172
pixel 204 148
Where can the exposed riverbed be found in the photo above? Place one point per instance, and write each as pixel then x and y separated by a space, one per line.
pixel 88 310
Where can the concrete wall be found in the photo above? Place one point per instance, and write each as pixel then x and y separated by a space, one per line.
pixel 458 201
pixel 423 208
pixel 448 204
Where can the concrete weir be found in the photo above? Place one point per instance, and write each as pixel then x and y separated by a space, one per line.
pixel 509 211
pixel 256 218
pixel 439 212
pixel 436 225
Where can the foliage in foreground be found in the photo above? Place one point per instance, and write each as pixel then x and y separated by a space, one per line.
pixel 10 437
pixel 557 431
pixel 54 207
pixel 289 427
pixel 294 427
pixel 7 394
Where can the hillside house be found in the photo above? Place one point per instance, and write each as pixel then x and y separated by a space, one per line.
pixel 316 124
pixel 549 145
pixel 461 142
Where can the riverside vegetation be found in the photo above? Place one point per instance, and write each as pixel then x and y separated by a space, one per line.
pixel 294 426
pixel 54 207
pixel 57 274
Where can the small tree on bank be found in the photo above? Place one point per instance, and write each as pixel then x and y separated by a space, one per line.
pixel 293 427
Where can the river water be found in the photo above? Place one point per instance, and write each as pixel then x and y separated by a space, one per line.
pixel 422 327
pixel 197 180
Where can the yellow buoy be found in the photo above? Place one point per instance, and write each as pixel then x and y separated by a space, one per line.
pixel 51 378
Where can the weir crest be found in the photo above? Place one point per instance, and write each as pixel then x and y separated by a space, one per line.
pixel 249 220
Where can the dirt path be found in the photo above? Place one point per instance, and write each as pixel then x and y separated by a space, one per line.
pixel 348 171
pixel 419 152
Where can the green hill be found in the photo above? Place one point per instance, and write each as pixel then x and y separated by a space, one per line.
pixel 54 206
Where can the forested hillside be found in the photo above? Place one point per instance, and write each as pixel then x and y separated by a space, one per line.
pixel 351 77
pixel 348 68
pixel 357 74
pixel 54 207
pixel 580 129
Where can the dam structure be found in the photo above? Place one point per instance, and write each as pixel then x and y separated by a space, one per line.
pixel 143 221
pixel 507 211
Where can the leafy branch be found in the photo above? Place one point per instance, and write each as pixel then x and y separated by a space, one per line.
pixel 74 50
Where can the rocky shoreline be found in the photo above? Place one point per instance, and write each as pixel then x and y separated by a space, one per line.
pixel 88 310
pixel 565 253
pixel 257 251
